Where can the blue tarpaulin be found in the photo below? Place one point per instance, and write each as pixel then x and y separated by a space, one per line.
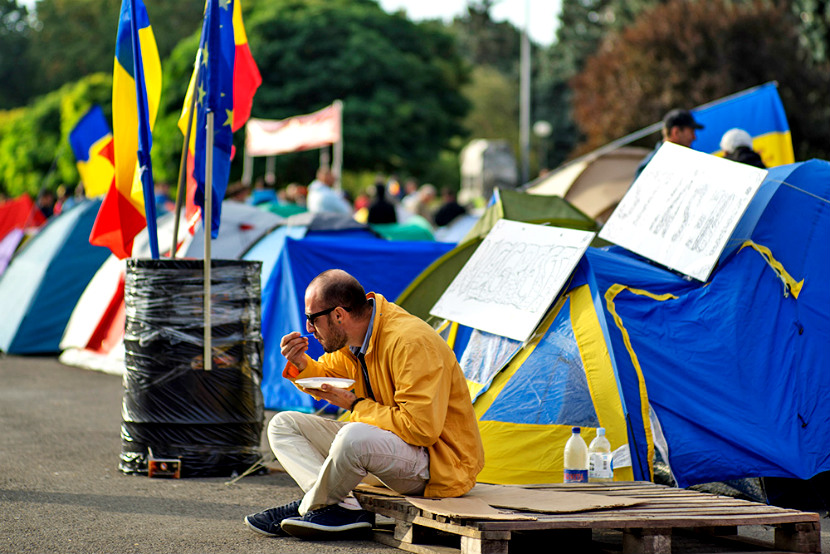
pixel 381 266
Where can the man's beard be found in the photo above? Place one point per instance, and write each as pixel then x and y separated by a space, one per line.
pixel 336 341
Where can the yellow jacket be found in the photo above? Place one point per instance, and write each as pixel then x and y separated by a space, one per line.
pixel 420 395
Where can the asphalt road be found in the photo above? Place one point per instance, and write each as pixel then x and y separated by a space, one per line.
pixel 61 489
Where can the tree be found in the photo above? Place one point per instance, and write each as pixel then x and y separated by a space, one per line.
pixel 815 27
pixel 399 81
pixel 687 53
pixel 582 25
pixel 77 37
pixel 15 70
pixel 482 41
pixel 495 105
pixel 34 145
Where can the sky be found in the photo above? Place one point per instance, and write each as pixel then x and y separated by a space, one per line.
pixel 544 14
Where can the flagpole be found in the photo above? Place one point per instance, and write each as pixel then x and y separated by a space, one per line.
pixel 182 188
pixel 207 219
pixel 337 147
pixel 144 141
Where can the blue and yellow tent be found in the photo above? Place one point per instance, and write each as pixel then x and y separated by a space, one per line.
pixel 734 370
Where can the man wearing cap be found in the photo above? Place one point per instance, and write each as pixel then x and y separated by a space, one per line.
pixel 679 127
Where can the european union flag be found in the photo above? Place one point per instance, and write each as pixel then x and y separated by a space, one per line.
pixel 215 90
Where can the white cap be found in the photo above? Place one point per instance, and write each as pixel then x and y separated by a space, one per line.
pixel 733 138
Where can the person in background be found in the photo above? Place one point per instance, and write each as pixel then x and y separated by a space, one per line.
pixel 323 198
pixel 46 202
pixel 412 426
pixel 421 202
pixel 164 202
pixel 381 210
pixel 238 192
pixel 77 197
pixel 679 127
pixel 450 209
pixel 737 146
pixel 410 189
pixel 62 197
pixel 263 192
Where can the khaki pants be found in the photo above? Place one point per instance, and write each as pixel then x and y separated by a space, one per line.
pixel 329 458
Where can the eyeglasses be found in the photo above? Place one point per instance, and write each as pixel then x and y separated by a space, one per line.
pixel 312 317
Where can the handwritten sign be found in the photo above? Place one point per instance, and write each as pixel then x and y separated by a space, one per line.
pixel 512 278
pixel 682 209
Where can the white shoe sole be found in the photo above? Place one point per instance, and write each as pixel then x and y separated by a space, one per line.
pixel 313 531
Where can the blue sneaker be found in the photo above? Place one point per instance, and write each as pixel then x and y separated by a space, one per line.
pixel 331 522
pixel 268 522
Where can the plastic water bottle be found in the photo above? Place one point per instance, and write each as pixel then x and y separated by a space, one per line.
pixel 599 459
pixel 576 458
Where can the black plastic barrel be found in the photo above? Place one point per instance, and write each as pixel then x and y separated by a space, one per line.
pixel 209 419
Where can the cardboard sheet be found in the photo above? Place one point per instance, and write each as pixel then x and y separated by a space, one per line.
pixel 465 507
pixel 546 501
pixel 482 501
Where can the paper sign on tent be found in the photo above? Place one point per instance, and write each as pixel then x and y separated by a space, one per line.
pixel 510 281
pixel 682 209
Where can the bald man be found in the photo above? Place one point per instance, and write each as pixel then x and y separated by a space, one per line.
pixel 412 425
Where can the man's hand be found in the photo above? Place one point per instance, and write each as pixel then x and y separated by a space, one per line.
pixel 341 398
pixel 293 347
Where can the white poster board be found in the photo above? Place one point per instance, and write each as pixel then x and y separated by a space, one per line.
pixel 512 278
pixel 682 209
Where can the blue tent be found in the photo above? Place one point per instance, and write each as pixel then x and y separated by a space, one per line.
pixel 735 369
pixel 45 279
pixel 381 266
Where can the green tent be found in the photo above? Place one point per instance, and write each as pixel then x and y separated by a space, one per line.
pixel 422 294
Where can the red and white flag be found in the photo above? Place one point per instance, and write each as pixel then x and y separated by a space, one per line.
pixel 268 137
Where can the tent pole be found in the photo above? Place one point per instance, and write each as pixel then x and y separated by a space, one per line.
pixel 207 219
pixel 337 147
pixel 247 168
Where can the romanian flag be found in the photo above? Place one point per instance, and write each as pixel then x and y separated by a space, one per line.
pixel 122 216
pixel 758 111
pixel 91 141
pixel 246 80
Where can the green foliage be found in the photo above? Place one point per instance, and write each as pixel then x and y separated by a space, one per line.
pixel 77 37
pixel 34 146
pixel 814 16
pixel 15 67
pixel 687 53
pixel 28 146
pixel 483 41
pixel 399 81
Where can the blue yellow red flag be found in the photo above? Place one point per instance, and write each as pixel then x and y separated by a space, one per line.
pixel 215 95
pixel 91 142
pixel 758 111
pixel 121 216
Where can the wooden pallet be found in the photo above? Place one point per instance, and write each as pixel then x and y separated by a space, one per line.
pixel 646 528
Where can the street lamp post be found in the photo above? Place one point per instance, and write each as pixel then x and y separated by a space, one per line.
pixel 542 129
